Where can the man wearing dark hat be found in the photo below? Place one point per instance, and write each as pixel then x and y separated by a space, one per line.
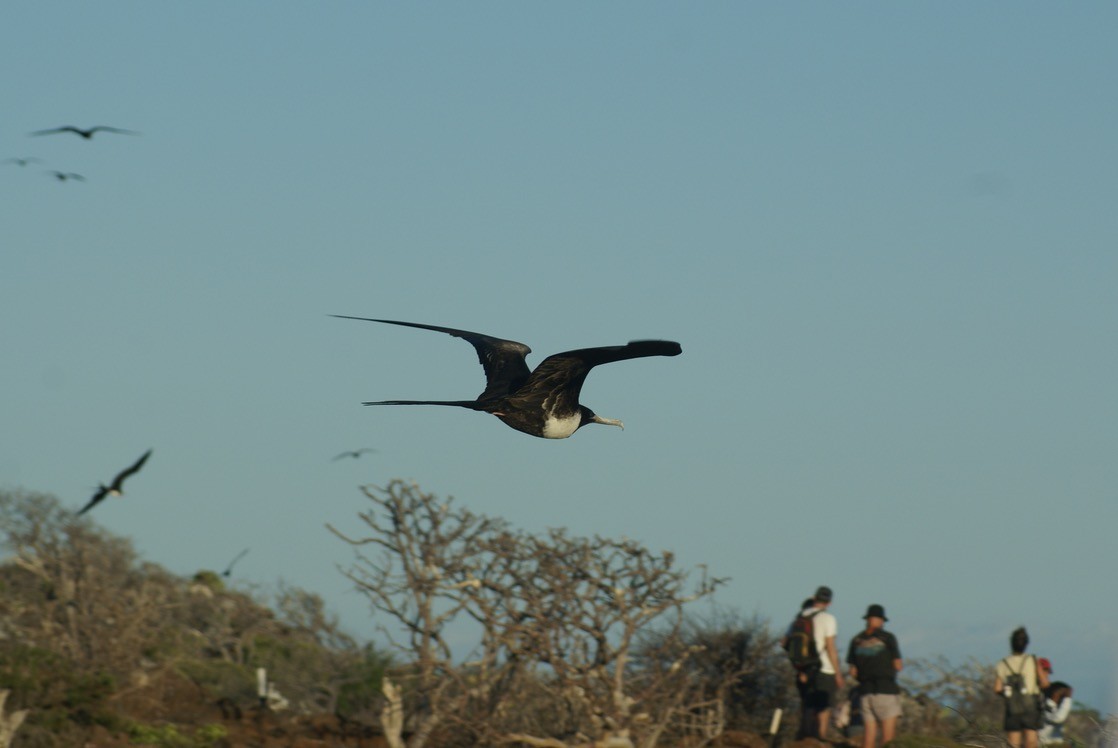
pixel 875 659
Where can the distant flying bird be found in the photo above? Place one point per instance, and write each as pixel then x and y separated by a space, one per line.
pixel 64 176
pixel 229 568
pixel 116 487
pixel 542 402
pixel 87 134
pixel 354 453
pixel 23 161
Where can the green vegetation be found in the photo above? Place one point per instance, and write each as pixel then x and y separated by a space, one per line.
pixel 105 649
pixel 92 638
pixel 221 679
pixel 168 736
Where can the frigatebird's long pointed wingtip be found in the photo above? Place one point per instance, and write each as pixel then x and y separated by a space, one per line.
pixel 473 338
pixel 661 347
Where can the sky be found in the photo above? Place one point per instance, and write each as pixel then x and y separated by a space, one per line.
pixel 883 233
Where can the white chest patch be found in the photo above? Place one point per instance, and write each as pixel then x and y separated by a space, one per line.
pixel 561 428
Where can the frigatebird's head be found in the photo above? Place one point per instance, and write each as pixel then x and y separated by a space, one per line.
pixel 589 416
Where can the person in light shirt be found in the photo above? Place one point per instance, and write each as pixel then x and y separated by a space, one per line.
pixel 1057 707
pixel 820 694
pixel 1021 729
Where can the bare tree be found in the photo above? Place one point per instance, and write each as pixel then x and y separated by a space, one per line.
pixel 426 556
pixel 737 669
pixel 87 597
pixel 559 619
pixel 577 607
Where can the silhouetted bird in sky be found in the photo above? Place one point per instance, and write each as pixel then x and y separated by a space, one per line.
pixel 23 161
pixel 63 176
pixel 229 568
pixel 542 402
pixel 87 134
pixel 354 453
pixel 116 487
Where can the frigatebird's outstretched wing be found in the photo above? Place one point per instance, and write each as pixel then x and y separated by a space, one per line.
pixel 559 377
pixel 102 492
pixel 118 483
pixel 502 360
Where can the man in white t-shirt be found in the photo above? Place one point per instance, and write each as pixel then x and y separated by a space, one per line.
pixel 819 693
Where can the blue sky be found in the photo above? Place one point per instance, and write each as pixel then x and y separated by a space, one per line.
pixel 883 233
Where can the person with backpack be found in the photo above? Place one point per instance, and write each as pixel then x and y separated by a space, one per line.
pixel 811 648
pixel 1019 680
pixel 875 659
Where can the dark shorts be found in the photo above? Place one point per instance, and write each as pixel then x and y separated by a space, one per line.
pixel 1030 720
pixel 819 693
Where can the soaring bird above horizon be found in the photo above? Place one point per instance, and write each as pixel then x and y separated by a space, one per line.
pixel 354 453
pixel 542 402
pixel 229 569
pixel 116 488
pixel 87 134
pixel 66 176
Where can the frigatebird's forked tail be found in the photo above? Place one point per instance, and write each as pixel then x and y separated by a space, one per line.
pixel 471 404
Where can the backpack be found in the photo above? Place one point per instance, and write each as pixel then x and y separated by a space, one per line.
pixel 802 652
pixel 1017 702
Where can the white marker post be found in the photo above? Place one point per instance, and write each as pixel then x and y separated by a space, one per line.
pixel 262 687
pixel 774 727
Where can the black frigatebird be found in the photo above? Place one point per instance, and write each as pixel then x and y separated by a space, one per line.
pixel 116 487
pixel 87 134
pixel 65 176
pixel 354 453
pixel 24 161
pixel 229 568
pixel 542 402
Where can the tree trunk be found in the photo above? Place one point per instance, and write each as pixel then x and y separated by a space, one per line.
pixel 392 715
pixel 9 723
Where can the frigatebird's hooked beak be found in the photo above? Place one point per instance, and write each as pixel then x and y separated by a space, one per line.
pixel 607 421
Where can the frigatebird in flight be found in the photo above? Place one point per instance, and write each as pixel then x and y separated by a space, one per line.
pixel 542 402
pixel 66 176
pixel 23 161
pixel 116 487
pixel 354 453
pixel 87 134
pixel 229 568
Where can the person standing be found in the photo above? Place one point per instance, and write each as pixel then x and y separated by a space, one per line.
pixel 1020 680
pixel 819 688
pixel 875 659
